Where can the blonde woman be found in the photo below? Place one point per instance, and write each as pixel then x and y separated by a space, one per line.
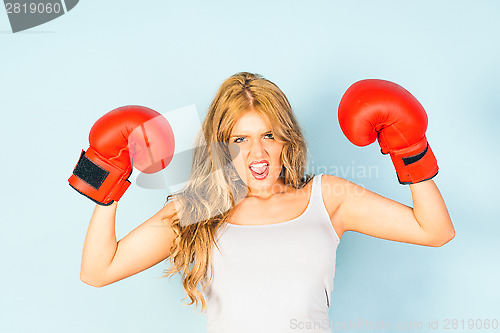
pixel 253 236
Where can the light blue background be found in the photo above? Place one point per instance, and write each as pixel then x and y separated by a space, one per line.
pixel 57 79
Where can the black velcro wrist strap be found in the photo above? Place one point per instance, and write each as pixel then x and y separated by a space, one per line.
pixel 90 172
pixel 415 158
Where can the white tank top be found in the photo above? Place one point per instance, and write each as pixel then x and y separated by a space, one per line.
pixel 274 277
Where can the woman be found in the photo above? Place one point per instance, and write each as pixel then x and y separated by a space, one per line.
pixel 254 237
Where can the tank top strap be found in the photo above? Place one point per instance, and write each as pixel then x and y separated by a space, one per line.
pixel 316 199
pixel 317 212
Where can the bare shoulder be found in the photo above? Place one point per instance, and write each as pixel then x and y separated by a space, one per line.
pixel 334 188
pixel 331 180
pixel 339 188
pixel 164 216
pixel 335 181
pixel 168 213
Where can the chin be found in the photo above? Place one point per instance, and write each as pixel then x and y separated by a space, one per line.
pixel 263 183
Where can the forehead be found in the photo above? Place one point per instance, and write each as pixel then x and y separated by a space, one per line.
pixel 252 121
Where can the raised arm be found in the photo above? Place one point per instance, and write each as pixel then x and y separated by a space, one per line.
pixel 358 209
pixel 105 260
pixel 378 109
pixel 126 137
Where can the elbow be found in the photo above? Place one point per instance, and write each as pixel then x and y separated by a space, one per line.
pixel 93 282
pixel 443 239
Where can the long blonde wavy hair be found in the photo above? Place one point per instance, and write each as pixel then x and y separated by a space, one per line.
pixel 214 187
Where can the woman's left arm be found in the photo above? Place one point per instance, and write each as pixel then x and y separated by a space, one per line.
pixel 430 212
pixel 378 109
pixel 354 208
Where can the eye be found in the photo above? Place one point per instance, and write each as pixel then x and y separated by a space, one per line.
pixel 238 140
pixel 269 136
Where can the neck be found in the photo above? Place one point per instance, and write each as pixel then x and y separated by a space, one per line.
pixel 265 193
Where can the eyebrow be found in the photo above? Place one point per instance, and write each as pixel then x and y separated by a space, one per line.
pixel 244 136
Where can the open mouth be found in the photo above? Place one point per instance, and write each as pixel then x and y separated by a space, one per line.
pixel 259 169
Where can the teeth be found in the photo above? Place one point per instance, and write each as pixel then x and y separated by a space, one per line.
pixel 259 168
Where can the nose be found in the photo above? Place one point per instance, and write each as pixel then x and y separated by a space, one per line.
pixel 257 150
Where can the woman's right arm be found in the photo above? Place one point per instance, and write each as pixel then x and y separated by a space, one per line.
pixel 105 260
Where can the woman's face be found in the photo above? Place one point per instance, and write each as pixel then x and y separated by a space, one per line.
pixel 256 154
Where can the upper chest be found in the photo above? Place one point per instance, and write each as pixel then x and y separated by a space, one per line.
pixel 278 208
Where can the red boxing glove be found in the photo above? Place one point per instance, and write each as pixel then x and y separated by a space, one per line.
pixel 129 135
pixel 381 109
